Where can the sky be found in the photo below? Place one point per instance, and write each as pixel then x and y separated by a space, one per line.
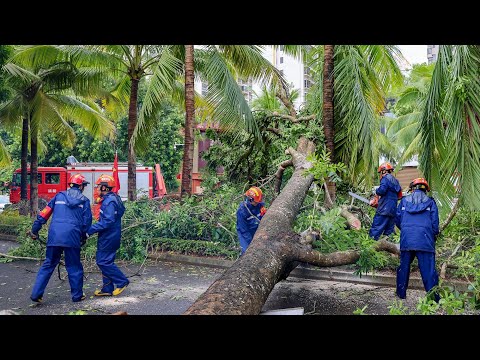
pixel 415 54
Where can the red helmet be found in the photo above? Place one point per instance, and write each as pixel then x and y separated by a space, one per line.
pixel 78 179
pixel 385 166
pixel 254 193
pixel 106 180
pixel 420 181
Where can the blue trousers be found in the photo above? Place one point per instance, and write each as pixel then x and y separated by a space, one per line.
pixel 382 224
pixel 245 240
pixel 74 270
pixel 426 264
pixel 111 274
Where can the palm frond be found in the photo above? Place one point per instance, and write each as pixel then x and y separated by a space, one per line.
pixel 86 113
pixel 5 159
pixel 231 108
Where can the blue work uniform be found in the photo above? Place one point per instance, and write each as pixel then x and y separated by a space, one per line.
pixel 248 219
pixel 417 219
pixel 71 218
pixel 384 219
pixel 109 229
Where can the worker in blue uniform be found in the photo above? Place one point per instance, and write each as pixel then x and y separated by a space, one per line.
pixel 109 229
pixel 249 214
pixel 71 219
pixel 417 219
pixel 385 200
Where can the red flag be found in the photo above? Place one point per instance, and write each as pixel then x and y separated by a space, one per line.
pixel 115 174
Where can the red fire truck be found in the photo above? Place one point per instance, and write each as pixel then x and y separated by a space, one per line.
pixel 52 180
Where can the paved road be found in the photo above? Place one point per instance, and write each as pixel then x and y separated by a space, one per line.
pixel 167 288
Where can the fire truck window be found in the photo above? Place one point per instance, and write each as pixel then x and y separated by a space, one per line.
pixel 17 178
pixel 52 178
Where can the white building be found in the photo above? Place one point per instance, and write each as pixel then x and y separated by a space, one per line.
pixel 432 53
pixel 296 74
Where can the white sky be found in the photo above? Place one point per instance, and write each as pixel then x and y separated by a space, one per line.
pixel 415 54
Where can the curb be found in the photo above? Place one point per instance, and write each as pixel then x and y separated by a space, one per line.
pixel 330 274
pixel 5 237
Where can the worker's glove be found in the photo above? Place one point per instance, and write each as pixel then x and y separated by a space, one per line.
pixel 84 238
pixel 263 210
pixel 32 235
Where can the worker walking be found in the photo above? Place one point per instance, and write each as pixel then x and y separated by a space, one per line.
pixel 387 195
pixel 417 219
pixel 249 214
pixel 109 229
pixel 71 219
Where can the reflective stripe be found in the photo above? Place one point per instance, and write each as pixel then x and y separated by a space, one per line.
pixel 403 207
pixel 81 205
pixel 60 202
pixel 101 211
pixel 252 217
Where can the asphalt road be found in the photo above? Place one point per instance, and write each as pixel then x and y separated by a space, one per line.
pixel 167 288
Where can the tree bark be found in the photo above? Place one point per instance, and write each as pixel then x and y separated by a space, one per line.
pixel 274 251
pixel 33 170
pixel 132 123
pixel 328 110
pixel 23 209
pixel 328 120
pixel 189 122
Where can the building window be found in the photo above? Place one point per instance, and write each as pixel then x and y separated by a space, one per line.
pixel 306 70
pixel 204 88
pixel 281 59
pixel 429 50
pixel 307 84
pixel 281 47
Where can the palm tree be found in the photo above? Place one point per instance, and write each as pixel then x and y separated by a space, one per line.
pixel 127 65
pixel 362 74
pixel 42 95
pixel 186 187
pixel 449 126
pixel 220 66
pixel 404 129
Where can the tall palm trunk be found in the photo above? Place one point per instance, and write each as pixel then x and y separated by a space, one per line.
pixel 328 117
pixel 132 123
pixel 23 210
pixel 189 122
pixel 33 171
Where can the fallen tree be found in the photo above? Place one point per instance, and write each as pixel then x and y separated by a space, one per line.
pixel 274 252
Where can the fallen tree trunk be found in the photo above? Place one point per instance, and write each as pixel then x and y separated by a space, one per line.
pixel 274 252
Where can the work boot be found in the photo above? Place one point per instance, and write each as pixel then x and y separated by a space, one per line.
pixel 101 293
pixel 119 290
pixel 37 300
pixel 83 297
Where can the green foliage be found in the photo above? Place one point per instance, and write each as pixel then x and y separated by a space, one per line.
pixel 5 52
pixel 397 308
pixel 77 312
pixel 359 311
pixel 246 158
pixel 322 168
pixel 370 259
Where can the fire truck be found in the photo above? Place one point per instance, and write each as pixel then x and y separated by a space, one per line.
pixel 52 180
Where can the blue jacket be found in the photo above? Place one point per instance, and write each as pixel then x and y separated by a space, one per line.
pixel 109 227
pixel 388 191
pixel 71 218
pixel 248 223
pixel 417 218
